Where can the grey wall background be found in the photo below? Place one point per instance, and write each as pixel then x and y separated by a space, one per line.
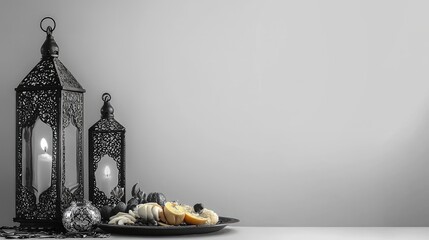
pixel 284 113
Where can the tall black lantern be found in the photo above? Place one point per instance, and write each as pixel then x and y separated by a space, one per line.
pixel 106 157
pixel 49 140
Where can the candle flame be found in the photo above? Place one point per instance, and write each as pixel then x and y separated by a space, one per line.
pixel 44 144
pixel 107 171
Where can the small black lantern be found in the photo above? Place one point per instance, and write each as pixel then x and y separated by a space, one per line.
pixel 106 157
pixel 49 112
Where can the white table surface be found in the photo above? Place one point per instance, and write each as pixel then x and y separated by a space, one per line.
pixel 304 233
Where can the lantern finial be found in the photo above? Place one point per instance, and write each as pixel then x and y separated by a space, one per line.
pixel 107 109
pixel 49 47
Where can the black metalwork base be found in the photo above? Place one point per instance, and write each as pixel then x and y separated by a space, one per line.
pixel 32 231
pixel 40 225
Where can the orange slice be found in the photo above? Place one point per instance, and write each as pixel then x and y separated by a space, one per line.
pixel 173 214
pixel 191 217
pixel 194 219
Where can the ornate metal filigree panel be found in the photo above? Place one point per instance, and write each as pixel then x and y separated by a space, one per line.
pixel 66 78
pixel 42 75
pixel 72 113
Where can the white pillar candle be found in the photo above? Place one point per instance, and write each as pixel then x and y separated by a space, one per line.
pixel 44 169
pixel 106 182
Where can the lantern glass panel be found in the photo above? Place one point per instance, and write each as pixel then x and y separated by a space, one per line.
pixel 37 157
pixel 71 168
pixel 106 175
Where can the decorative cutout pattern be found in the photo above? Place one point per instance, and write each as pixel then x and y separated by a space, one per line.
pixel 81 217
pixel 50 72
pixel 72 109
pixel 40 103
pixel 66 78
pixel 72 113
pixel 100 199
pixel 107 124
pixel 42 75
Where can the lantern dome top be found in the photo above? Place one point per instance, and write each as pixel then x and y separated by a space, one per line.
pixel 107 121
pixel 50 72
pixel 49 47
pixel 107 109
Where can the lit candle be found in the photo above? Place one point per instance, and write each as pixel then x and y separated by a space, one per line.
pixel 106 183
pixel 44 168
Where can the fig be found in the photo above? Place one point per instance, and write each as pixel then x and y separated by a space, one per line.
pixel 157 198
pixel 131 207
pixel 198 207
pixel 105 212
pixel 120 207
pixel 133 201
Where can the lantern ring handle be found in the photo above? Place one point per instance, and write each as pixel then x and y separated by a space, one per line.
pixel 106 97
pixel 46 30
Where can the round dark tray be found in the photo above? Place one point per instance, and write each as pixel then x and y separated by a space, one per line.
pixel 167 230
